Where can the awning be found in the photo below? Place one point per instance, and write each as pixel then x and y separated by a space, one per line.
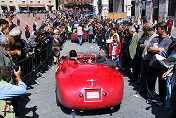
pixel 32 5
pixel 3 5
pixel 36 5
pixel 22 5
pixel 11 6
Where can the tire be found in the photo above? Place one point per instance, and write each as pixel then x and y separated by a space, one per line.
pixel 57 99
pixel 72 41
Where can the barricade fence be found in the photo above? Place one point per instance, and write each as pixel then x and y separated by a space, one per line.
pixel 34 63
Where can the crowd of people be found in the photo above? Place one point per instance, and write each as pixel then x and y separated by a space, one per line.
pixel 133 53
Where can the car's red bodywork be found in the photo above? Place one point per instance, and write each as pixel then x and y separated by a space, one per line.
pixel 74 37
pixel 88 85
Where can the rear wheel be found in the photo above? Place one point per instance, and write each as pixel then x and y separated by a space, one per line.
pixel 57 99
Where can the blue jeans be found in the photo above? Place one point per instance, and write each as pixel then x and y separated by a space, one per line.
pixel 95 39
pixel 80 39
pixel 117 61
pixel 169 87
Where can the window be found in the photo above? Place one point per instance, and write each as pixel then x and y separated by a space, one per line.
pixel 38 2
pixel 23 2
pixel 3 2
pixel 10 2
pixel 49 1
pixel 31 2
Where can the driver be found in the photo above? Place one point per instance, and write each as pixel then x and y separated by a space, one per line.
pixel 72 61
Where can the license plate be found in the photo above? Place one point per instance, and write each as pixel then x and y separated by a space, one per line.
pixel 92 95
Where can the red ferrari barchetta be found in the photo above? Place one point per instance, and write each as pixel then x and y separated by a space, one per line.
pixel 87 85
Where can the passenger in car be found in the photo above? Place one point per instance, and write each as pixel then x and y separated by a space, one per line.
pixel 102 59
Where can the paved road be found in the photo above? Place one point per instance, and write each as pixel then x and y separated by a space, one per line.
pixel 40 99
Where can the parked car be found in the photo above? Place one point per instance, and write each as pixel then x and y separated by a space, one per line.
pixel 87 85
pixel 74 37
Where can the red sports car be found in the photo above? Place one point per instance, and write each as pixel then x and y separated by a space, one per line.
pixel 82 85
pixel 74 37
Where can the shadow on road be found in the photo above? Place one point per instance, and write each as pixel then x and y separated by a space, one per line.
pixel 90 112
pixel 22 110
pixel 155 109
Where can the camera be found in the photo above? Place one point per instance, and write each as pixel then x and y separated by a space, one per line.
pixel 15 67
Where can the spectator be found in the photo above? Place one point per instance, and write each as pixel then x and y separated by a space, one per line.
pixel 9 18
pixel 80 31
pixel 125 52
pixel 18 21
pixel 36 24
pixel 100 35
pixel 90 33
pixel 26 27
pixel 115 49
pixel 17 46
pixel 27 33
pixel 5 57
pixel 8 90
pixel 144 42
pixel 157 46
pixel 113 32
pixel 136 26
pixel 168 75
pixel 132 51
pixel 173 94
pixel 69 30
pixel 169 25
pixel 46 23
pixel 56 48
pixel 4 26
pixel 31 43
pixel 34 27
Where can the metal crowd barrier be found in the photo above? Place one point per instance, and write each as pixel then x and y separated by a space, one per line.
pixel 34 62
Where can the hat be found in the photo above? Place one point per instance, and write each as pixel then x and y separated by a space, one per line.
pixel 16 31
pixel 4 40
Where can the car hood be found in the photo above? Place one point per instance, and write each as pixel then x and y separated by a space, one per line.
pixel 90 76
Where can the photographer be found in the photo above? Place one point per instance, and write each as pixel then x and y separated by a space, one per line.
pixel 17 47
pixel 8 91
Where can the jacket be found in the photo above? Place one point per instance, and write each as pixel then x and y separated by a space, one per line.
pixel 133 45
pixel 5 58
pixel 117 51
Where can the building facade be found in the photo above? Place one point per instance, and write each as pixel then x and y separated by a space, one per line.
pixel 31 5
pixel 155 10
pixel 60 4
pixel 79 5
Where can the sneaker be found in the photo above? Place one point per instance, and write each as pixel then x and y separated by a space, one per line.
pixel 159 103
pixel 149 101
